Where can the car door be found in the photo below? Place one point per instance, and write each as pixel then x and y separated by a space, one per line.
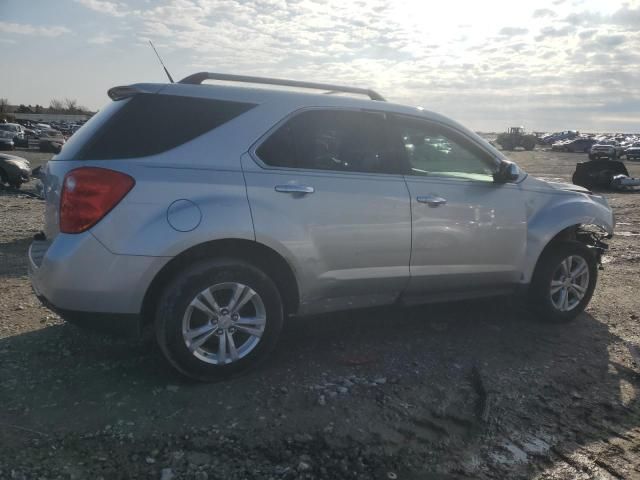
pixel 469 232
pixel 328 195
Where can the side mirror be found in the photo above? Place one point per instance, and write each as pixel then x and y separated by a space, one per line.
pixel 507 172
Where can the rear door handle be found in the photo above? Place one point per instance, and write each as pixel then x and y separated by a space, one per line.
pixel 431 200
pixel 292 188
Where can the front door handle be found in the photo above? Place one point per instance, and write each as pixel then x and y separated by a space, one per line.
pixel 292 188
pixel 431 200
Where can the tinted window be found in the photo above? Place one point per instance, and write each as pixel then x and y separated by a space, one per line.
pixel 150 124
pixel 433 150
pixel 333 140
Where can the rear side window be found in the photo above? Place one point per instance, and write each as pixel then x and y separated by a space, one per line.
pixel 149 124
pixel 338 140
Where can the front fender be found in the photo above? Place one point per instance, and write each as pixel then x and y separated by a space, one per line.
pixel 559 212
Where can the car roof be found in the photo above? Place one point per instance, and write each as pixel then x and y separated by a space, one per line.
pixel 294 99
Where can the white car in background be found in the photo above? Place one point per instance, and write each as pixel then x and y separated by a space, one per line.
pixel 633 152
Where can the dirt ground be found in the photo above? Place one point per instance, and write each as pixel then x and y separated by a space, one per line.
pixel 463 390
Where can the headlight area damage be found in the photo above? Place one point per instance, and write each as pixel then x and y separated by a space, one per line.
pixel 593 236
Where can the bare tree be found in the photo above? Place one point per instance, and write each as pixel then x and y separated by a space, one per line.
pixel 56 106
pixel 71 104
pixel 4 103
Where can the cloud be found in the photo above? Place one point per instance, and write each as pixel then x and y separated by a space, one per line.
pixel 610 41
pixel 627 16
pixel 584 34
pixel 105 6
pixel 513 31
pixel 566 59
pixel 27 29
pixel 102 39
pixel 585 17
pixel 544 12
pixel 554 32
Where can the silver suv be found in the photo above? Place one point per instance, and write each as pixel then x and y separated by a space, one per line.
pixel 212 212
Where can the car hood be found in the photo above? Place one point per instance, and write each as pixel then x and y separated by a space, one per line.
pixel 551 185
pixel 569 187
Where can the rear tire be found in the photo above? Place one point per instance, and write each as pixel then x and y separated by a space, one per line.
pixel 3 177
pixel 239 334
pixel 563 282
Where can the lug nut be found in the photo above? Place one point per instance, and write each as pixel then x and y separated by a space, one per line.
pixel 224 311
pixel 232 330
pixel 219 331
pixel 235 317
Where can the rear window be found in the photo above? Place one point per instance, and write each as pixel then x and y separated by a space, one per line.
pixel 149 124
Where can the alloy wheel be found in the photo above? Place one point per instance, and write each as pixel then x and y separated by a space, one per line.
pixel 569 283
pixel 224 323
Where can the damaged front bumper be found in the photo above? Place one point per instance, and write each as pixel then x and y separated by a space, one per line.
pixel 594 237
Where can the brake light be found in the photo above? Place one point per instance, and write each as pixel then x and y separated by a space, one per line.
pixel 88 194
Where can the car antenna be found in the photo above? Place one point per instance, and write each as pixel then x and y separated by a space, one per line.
pixel 161 62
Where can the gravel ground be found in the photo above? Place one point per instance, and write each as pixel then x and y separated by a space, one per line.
pixel 462 390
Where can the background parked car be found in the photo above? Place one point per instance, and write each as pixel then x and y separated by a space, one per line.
pixel 51 141
pixel 14 171
pixel 580 145
pixel 604 149
pixel 558 136
pixel 633 152
pixel 560 145
pixel 18 133
pixel 6 140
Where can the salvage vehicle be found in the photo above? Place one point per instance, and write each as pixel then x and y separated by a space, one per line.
pixel 213 213
pixel 6 140
pixel 51 141
pixel 14 171
pixel 17 130
pixel 605 148
pixel 606 175
pixel 559 136
pixel 580 145
pixel 560 146
pixel 633 152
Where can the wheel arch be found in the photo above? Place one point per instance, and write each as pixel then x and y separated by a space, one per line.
pixel 575 232
pixel 258 254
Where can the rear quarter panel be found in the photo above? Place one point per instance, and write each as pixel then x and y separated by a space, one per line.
pixel 139 225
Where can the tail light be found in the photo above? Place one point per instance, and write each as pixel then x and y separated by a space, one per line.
pixel 88 194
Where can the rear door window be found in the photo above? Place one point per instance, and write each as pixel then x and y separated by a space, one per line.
pixel 149 124
pixel 336 140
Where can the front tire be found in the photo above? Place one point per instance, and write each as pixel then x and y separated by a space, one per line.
pixel 218 318
pixel 563 282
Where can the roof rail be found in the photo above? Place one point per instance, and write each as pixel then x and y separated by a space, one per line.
pixel 198 78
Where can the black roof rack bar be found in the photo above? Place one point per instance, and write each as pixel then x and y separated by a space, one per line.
pixel 198 78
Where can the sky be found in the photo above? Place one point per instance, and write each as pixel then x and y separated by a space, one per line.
pixel 549 65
